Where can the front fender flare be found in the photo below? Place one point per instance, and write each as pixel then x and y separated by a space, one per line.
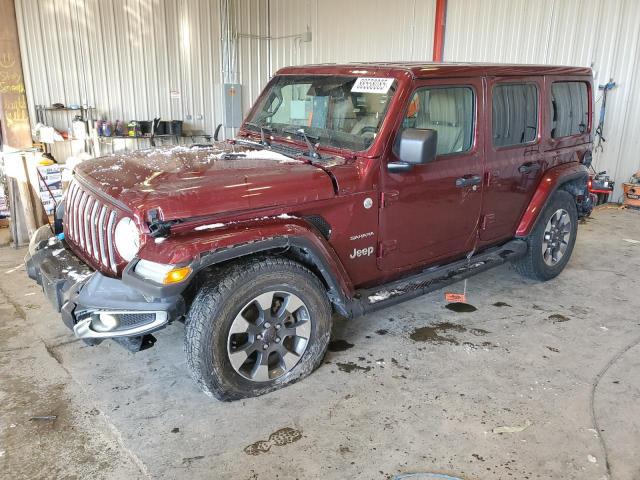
pixel 329 266
pixel 204 249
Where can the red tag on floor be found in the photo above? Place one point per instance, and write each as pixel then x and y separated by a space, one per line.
pixel 451 297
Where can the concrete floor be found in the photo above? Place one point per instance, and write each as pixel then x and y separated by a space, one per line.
pixel 421 390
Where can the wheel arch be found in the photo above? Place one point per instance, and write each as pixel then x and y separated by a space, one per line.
pixel 304 247
pixel 571 178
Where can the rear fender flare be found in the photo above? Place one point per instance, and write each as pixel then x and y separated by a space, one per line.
pixel 552 180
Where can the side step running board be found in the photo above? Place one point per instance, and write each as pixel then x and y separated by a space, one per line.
pixel 369 300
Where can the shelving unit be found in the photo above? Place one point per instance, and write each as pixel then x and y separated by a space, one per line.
pixel 156 140
pixel 50 116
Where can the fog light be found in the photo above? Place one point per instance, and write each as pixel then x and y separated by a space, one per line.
pixel 177 275
pixel 104 322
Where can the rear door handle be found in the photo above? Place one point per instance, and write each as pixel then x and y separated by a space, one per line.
pixel 529 167
pixel 468 181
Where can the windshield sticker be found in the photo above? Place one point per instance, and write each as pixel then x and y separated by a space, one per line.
pixel 372 85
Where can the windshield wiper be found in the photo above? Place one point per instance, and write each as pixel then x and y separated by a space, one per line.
pixel 263 129
pixel 301 132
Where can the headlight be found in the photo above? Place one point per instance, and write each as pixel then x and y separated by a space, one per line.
pixel 127 238
pixel 162 273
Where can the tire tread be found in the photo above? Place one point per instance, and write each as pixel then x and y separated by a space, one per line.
pixel 530 265
pixel 213 293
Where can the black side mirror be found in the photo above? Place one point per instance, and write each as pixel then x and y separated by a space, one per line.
pixel 414 146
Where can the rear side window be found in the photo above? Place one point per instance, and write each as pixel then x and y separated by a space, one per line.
pixel 447 110
pixel 570 107
pixel 515 114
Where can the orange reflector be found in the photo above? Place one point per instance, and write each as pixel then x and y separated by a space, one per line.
pixel 451 297
pixel 177 275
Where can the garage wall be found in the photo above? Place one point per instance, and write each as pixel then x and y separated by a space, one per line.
pixel 603 34
pixel 348 31
pixel 137 59
pixel 127 56
pixel 249 37
pixel 131 59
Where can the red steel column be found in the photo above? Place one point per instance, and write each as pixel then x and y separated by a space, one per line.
pixel 438 34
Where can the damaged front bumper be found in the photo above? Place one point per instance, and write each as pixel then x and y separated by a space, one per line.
pixel 95 306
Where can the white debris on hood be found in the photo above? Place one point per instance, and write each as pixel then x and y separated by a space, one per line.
pixel 213 226
pixel 160 239
pixel 173 150
pixel 209 227
pixel 269 155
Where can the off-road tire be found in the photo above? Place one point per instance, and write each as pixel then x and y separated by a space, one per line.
pixel 218 302
pixel 532 265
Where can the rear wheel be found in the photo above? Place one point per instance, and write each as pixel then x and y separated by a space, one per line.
pixel 257 326
pixel 552 240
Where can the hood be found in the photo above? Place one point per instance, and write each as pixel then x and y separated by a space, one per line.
pixel 185 182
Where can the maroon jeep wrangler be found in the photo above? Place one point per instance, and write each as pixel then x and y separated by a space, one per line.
pixel 349 188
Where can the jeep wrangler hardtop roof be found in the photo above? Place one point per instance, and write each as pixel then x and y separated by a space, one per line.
pixel 430 69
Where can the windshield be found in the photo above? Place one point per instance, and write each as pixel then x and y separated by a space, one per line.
pixel 337 111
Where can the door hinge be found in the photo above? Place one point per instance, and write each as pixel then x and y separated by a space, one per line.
pixel 387 198
pixel 384 248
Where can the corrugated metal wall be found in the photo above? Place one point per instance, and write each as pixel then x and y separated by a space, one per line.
pixel 124 57
pixel 347 31
pixel 603 34
pixel 127 56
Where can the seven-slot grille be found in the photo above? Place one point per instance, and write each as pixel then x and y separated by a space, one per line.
pixel 89 224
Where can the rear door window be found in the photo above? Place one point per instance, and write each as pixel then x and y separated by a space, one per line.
pixel 447 110
pixel 514 114
pixel 570 108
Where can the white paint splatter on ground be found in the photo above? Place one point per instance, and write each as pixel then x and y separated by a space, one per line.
pixel 15 268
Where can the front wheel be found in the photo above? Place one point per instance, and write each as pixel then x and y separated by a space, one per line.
pixel 257 326
pixel 552 240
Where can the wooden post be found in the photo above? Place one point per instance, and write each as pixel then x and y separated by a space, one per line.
pixel 15 128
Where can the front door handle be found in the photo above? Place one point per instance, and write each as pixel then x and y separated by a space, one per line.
pixel 468 181
pixel 529 167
